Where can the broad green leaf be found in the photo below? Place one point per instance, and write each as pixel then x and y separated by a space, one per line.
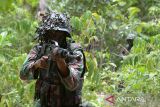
pixel 76 23
pixel 139 29
pixel 122 3
pixel 96 16
pixel 133 11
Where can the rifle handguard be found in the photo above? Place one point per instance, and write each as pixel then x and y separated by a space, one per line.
pixel 64 53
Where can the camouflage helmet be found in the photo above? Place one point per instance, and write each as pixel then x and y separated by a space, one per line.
pixel 130 36
pixel 54 21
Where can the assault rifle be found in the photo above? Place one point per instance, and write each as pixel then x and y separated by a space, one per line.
pixel 63 53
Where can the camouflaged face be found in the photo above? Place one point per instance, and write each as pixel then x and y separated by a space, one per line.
pixel 54 21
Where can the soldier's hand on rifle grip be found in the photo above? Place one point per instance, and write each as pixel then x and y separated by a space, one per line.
pixel 60 62
pixel 41 63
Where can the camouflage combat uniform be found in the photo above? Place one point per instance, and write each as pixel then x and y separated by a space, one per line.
pixel 52 90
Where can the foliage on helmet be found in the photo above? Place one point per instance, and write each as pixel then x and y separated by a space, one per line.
pixel 53 21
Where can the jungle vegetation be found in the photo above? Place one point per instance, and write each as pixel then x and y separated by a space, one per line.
pixel 101 26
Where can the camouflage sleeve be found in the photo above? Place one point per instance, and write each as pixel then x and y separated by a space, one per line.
pixel 75 67
pixel 27 70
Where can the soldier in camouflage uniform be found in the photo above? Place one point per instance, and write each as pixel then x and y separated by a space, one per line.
pixel 130 39
pixel 59 77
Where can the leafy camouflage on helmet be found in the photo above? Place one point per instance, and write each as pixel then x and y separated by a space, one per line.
pixel 54 21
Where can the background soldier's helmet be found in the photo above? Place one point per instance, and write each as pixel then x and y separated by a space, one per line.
pixel 130 36
pixel 56 22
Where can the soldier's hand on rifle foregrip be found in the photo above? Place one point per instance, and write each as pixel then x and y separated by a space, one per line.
pixel 41 63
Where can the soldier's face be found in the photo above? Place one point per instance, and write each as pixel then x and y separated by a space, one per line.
pixel 130 41
pixel 58 36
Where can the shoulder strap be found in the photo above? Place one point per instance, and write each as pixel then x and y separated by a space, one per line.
pixel 41 50
pixel 84 62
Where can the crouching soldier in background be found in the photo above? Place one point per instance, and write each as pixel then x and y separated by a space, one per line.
pixel 130 39
pixel 58 66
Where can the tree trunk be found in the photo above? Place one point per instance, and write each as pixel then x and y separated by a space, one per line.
pixel 41 9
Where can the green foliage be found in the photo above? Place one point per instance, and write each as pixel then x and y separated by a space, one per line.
pixel 141 68
pixel 100 26
pixel 16 33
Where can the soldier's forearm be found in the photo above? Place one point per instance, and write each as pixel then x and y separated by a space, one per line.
pixel 62 67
